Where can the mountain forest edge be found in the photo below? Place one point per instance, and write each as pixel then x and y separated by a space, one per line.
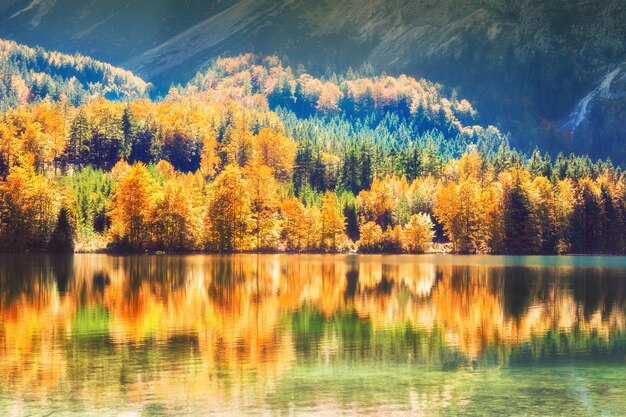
pixel 254 156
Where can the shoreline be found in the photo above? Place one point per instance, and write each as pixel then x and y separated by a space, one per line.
pixel 114 252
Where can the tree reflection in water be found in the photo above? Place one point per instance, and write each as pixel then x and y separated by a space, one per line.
pixel 117 331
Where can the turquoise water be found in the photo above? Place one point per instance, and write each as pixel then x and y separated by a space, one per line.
pixel 312 335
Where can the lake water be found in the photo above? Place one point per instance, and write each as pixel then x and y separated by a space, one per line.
pixel 289 334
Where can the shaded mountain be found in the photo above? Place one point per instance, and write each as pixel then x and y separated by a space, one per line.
pixel 600 114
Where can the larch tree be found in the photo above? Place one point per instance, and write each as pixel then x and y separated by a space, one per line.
pixel 134 199
pixel 295 231
pixel 277 151
pixel 458 208
pixel 227 221
pixel 209 157
pixel 29 205
pixel 177 216
pixel 264 206
pixel 371 237
pixel 332 222
pixel 418 234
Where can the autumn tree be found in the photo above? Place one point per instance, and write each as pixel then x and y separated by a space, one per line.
pixel 277 151
pixel 177 215
pixel 134 199
pixel 209 157
pixel 468 206
pixel 418 234
pixel 29 206
pixel 295 233
pixel 264 204
pixel 227 220
pixel 378 203
pixel 460 208
pixel 332 222
pixel 371 237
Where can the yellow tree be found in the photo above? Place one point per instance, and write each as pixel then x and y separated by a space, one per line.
pixel 165 170
pixel 458 208
pixel 227 219
pixel 545 203
pixel 392 240
pixel 332 221
pixel 418 234
pixel 492 217
pixel 29 204
pixel 264 203
pixel 378 203
pixel 33 143
pixel 295 225
pixel 209 158
pixel 9 145
pixel 134 198
pixel 177 217
pixel 370 237
pixel 301 225
pixel 50 118
pixel 277 151
pixel 313 228
pixel 470 165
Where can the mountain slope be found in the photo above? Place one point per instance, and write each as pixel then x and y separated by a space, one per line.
pixel 600 114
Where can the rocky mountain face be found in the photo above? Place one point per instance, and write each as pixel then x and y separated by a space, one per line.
pixel 527 64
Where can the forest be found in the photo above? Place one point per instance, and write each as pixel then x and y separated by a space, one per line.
pixel 29 75
pixel 253 156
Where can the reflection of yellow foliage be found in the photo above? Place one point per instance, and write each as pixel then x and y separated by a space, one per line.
pixel 233 307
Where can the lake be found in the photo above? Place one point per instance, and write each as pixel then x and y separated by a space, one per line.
pixel 312 334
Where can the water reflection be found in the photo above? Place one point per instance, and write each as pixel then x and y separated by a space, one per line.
pixel 166 334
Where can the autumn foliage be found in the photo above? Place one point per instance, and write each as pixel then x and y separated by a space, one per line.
pixel 334 168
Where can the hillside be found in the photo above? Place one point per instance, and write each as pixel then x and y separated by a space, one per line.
pixel 393 117
pixel 254 155
pixel 32 74
pixel 526 64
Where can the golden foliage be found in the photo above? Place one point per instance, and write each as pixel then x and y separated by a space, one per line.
pixel 332 221
pixel 29 205
pixel 132 205
pixel 418 234
pixel 228 214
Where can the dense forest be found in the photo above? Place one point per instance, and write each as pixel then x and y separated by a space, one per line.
pixel 255 156
pixel 30 75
